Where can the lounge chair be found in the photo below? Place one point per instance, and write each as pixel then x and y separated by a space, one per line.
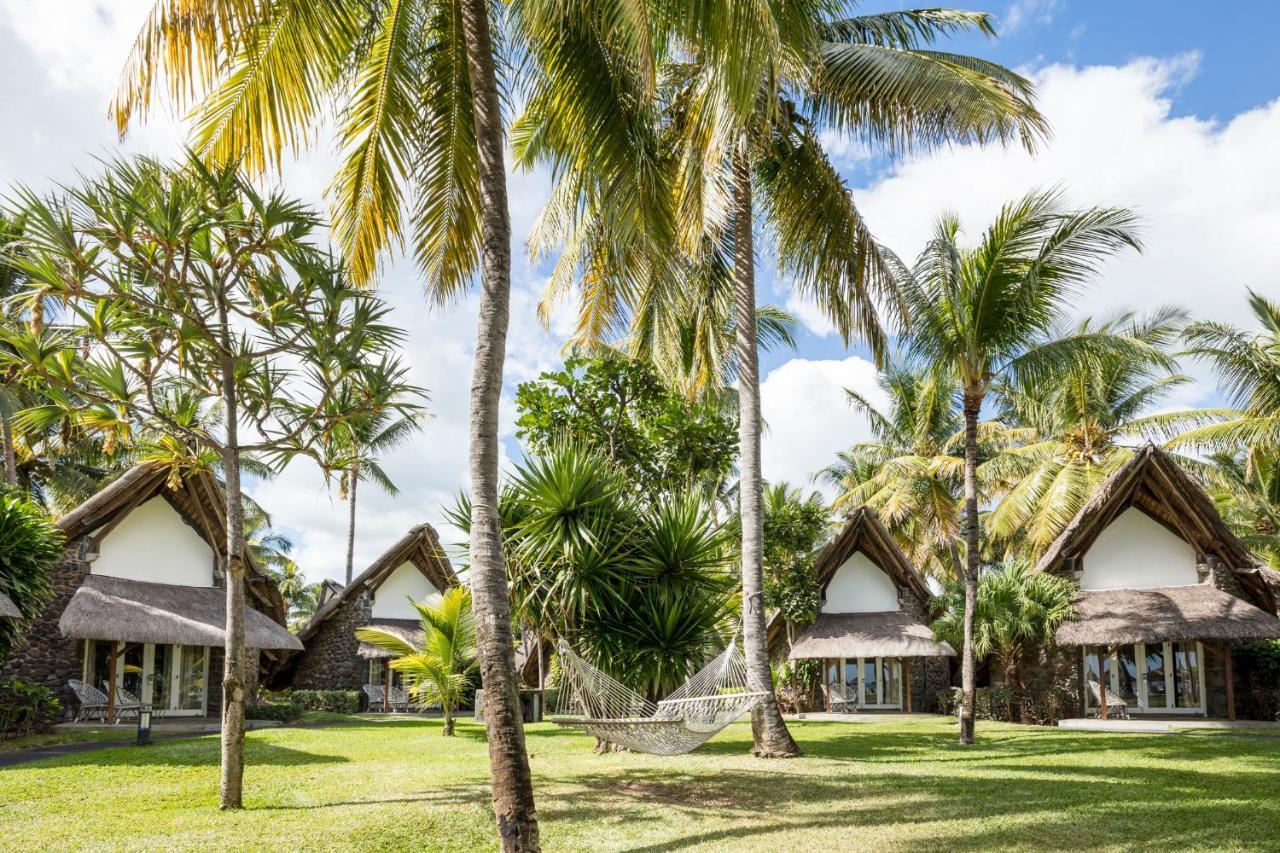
pixel 1116 707
pixel 843 697
pixel 93 702
pixel 399 699
pixel 126 703
pixel 374 692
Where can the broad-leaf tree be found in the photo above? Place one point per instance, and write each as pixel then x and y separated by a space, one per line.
pixel 202 311
pixel 437 668
pixel 982 316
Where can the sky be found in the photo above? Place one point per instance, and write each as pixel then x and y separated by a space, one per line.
pixel 1167 108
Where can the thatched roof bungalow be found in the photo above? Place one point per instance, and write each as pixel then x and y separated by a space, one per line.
pixel 139 598
pixel 872 632
pixel 415 568
pixel 1166 589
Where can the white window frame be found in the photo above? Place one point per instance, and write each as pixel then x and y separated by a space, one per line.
pixel 148 678
pixel 1140 658
pixel 878 703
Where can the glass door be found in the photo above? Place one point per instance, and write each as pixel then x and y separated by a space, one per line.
pixel 1155 678
pixel 876 682
pixel 173 680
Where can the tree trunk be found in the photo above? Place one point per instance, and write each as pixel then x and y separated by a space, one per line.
pixel 768 730
pixel 513 804
pixel 10 455
pixel 351 520
pixel 233 672
pixel 968 660
pixel 448 723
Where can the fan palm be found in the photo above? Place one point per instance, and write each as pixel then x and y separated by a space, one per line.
pixel 437 669
pixel 1018 611
pixel 745 121
pixel 1062 435
pixel 910 473
pixel 981 316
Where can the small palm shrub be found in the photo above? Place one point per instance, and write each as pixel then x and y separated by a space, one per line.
pixel 30 545
pixel 438 672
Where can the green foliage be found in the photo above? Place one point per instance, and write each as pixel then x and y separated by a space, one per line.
pixel 26 709
pixel 439 670
pixel 333 701
pixel 280 712
pixel 30 545
pixel 795 526
pixel 644 591
pixel 620 409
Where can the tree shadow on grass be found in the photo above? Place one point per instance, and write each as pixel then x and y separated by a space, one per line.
pixel 195 752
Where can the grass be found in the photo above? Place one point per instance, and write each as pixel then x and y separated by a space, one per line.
pixel 59 738
pixel 399 785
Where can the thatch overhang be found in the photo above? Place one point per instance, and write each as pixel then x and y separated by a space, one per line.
pixel 408 630
pixel 198 500
pixel 1174 614
pixel 864 531
pixel 8 610
pixel 865 635
pixel 123 610
pixel 420 546
pixel 1152 482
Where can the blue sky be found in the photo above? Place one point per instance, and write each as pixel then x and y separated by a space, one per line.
pixel 1169 108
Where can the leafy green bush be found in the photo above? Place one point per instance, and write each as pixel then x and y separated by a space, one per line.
pixel 334 701
pixel 26 709
pixel 30 544
pixel 281 712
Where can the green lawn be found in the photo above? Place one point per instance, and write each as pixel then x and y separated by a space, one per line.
pixel 399 785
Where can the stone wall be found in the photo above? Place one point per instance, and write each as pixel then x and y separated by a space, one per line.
pixel 331 660
pixel 45 656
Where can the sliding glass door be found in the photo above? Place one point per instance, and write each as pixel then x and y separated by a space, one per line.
pixel 874 682
pixel 172 679
pixel 1156 678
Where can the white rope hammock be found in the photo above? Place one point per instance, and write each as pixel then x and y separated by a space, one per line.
pixel 598 704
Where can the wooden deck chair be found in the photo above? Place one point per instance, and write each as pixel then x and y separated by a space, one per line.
pixel 1116 707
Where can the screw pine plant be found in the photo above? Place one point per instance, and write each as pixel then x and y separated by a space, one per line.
pixel 202 311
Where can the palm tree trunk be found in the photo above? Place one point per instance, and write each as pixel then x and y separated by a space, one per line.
pixel 233 670
pixel 513 804
pixel 968 661
pixel 769 731
pixel 10 455
pixel 351 520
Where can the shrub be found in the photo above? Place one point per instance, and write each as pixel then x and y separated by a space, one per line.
pixel 334 701
pixel 281 712
pixel 26 709
pixel 30 544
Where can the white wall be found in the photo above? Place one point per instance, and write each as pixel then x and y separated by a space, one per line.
pixel 860 586
pixel 1137 552
pixel 389 600
pixel 154 544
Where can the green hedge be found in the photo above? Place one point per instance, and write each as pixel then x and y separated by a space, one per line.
pixel 26 709
pixel 334 701
pixel 281 712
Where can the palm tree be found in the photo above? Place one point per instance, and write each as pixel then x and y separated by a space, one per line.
pixel 1018 611
pixel 438 668
pixel 982 315
pixel 1246 487
pixel 420 127
pixel 1060 439
pixel 745 117
pixel 910 473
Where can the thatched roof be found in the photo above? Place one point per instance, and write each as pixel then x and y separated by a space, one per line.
pixel 865 532
pixel 198 500
pixel 420 546
pixel 8 610
pixel 107 608
pixel 853 635
pixel 409 630
pixel 328 589
pixel 1179 613
pixel 1157 485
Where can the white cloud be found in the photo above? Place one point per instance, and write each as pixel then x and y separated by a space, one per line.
pixel 1206 190
pixel 809 314
pixel 1025 13
pixel 807 418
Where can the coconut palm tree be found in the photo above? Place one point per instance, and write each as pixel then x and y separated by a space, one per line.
pixel 1246 487
pixel 1018 611
pixel 437 668
pixel 982 315
pixel 746 122
pixel 1061 437
pixel 911 473
pixel 421 133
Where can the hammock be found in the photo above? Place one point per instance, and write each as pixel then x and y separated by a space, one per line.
pixel 598 704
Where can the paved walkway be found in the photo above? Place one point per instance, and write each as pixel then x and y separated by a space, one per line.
pixel 1169 725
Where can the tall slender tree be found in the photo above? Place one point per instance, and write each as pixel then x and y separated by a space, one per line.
pixel 743 119
pixel 189 291
pixel 982 315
